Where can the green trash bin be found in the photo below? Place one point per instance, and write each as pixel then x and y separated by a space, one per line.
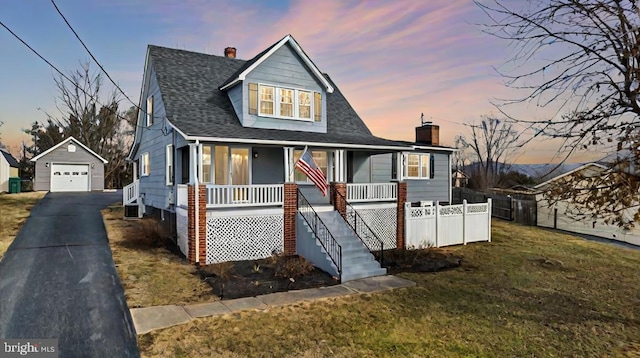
pixel 14 185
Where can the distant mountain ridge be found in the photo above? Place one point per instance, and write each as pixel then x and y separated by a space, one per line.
pixel 542 172
pixel 545 171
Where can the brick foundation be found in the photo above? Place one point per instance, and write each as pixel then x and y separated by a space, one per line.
pixel 290 212
pixel 402 198
pixel 202 218
pixel 336 200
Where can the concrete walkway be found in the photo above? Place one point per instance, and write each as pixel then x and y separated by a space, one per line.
pixel 158 317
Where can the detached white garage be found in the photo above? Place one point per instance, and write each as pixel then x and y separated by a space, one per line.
pixel 69 166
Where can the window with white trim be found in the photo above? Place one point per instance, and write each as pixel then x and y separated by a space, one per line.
pixel 145 165
pixel 281 102
pixel 150 111
pixel 417 166
pixel 169 165
pixel 267 98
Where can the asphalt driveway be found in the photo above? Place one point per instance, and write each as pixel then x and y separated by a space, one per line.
pixel 58 280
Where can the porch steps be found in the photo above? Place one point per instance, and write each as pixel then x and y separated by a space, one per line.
pixel 357 261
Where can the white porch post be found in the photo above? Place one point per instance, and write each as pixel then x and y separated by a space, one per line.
pixel 199 163
pixel 338 166
pixel 399 167
pixel 193 157
pixel 288 164
pixel 135 170
pixel 330 164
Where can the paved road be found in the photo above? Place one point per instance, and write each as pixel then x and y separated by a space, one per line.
pixel 58 280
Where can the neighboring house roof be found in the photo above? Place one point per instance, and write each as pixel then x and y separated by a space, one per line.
pixel 195 106
pixel 9 158
pixel 597 166
pixel 67 141
pixel 250 65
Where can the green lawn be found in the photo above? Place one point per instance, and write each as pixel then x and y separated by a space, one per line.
pixel 529 293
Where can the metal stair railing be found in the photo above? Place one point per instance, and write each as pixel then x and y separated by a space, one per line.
pixel 322 233
pixel 363 232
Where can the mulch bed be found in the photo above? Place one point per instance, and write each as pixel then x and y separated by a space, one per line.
pixel 238 279
pixel 423 260
pixel 258 277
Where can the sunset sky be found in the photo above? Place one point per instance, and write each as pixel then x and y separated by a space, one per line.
pixel 392 59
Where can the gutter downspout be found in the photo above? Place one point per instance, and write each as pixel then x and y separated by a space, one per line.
pixel 197 201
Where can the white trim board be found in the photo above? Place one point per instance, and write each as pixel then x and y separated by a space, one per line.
pixel 66 141
pixel 296 47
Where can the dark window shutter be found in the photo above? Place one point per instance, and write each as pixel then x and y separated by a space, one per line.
pixel 317 106
pixel 431 166
pixel 253 98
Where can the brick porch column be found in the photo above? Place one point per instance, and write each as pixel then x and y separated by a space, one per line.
pixel 290 212
pixel 402 198
pixel 336 200
pixel 202 218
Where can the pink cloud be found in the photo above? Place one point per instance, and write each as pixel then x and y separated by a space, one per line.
pixel 392 60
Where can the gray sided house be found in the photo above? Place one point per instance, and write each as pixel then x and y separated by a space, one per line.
pixel 235 129
pixel 69 166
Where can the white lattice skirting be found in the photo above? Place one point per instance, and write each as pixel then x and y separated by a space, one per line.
pixel 382 221
pixel 236 238
pixel 182 224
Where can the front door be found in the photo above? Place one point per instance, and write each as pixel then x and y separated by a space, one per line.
pixel 349 166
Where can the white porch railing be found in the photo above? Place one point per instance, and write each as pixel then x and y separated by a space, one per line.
pixel 182 199
pixel 131 192
pixel 244 195
pixel 357 193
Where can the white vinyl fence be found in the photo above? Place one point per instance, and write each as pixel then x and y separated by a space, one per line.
pixel 447 225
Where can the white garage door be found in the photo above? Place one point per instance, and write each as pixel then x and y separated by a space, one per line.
pixel 69 177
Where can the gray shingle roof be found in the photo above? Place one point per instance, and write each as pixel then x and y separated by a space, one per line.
pixel 189 83
pixel 10 159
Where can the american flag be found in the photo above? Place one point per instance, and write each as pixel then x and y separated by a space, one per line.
pixel 308 166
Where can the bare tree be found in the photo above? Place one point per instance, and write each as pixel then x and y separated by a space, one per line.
pixel 580 59
pixel 491 143
pixel 93 119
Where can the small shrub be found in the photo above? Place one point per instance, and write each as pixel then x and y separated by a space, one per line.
pixel 292 267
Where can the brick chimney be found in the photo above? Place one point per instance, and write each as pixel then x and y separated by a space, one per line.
pixel 428 133
pixel 230 52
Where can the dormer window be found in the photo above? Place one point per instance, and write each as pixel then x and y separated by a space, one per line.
pixel 286 103
pixel 267 97
pixel 304 104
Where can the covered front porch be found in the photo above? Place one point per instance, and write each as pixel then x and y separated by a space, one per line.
pixel 237 176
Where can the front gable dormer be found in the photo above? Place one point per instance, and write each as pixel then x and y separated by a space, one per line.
pixel 281 89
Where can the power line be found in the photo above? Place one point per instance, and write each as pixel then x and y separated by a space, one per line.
pixel 94 58
pixel 58 71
